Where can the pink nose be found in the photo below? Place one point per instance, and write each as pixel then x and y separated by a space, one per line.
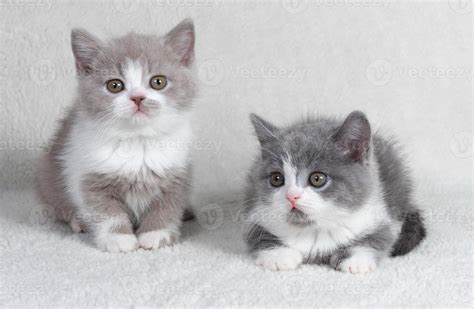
pixel 137 99
pixel 292 198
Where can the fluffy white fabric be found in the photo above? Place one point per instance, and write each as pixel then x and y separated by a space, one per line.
pixel 407 65
pixel 48 265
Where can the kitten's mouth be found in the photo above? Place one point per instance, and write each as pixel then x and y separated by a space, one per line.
pixel 139 112
pixel 298 217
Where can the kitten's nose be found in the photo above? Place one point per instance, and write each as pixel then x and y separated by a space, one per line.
pixel 137 99
pixel 292 198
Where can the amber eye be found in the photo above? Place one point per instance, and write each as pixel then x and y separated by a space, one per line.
pixel 277 179
pixel 115 85
pixel 318 179
pixel 158 82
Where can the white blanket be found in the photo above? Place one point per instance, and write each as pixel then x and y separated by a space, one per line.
pixel 45 264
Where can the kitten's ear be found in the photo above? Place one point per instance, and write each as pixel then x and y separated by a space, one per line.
pixel 85 47
pixel 353 137
pixel 265 131
pixel 181 40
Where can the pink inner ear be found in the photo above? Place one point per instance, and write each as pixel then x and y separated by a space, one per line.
pixel 181 40
pixel 184 47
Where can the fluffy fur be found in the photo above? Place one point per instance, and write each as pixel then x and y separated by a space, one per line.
pixel 118 169
pixel 363 213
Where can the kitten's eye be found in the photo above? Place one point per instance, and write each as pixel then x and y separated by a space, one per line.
pixel 158 82
pixel 277 179
pixel 115 85
pixel 318 179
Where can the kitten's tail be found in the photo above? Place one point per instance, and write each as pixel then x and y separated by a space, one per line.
pixel 412 233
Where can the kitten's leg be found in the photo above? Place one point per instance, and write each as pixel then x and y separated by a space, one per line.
pixel 106 216
pixel 55 201
pixel 365 253
pixel 270 251
pixel 160 226
pixel 356 260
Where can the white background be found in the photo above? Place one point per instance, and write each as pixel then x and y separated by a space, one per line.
pixel 408 65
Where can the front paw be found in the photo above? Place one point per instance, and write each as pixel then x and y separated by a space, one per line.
pixel 361 262
pixel 158 238
pixel 279 259
pixel 115 242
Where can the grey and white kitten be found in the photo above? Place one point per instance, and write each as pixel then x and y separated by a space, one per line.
pixel 328 192
pixel 118 166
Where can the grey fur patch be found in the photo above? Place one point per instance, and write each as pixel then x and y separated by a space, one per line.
pixel 413 232
pixel 50 182
pixel 104 198
pixel 168 209
pixel 259 239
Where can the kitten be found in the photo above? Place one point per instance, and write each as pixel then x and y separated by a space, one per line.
pixel 118 166
pixel 327 192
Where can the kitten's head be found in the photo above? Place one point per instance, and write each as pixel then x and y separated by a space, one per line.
pixel 313 172
pixel 136 79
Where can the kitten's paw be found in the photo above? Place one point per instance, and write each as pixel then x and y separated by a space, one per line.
pixel 76 226
pixel 279 259
pixel 158 239
pixel 362 261
pixel 115 243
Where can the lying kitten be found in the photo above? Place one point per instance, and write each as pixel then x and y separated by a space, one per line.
pixel 118 166
pixel 328 192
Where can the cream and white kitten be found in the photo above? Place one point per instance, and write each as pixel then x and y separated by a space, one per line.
pixel 119 163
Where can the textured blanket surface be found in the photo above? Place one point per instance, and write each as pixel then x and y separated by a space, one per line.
pixel 45 264
pixel 407 65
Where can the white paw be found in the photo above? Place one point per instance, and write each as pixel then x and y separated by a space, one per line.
pixel 115 243
pixel 279 259
pixel 158 239
pixel 76 226
pixel 361 262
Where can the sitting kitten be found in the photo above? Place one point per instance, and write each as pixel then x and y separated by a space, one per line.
pixel 327 192
pixel 118 166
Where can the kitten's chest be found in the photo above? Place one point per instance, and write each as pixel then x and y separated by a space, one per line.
pixel 138 158
pixel 317 243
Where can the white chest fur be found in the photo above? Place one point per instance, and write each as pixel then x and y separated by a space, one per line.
pixel 131 156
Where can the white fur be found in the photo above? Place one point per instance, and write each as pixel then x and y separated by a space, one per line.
pixel 279 259
pixel 362 260
pixel 75 225
pixel 158 238
pixel 115 243
pixel 126 148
